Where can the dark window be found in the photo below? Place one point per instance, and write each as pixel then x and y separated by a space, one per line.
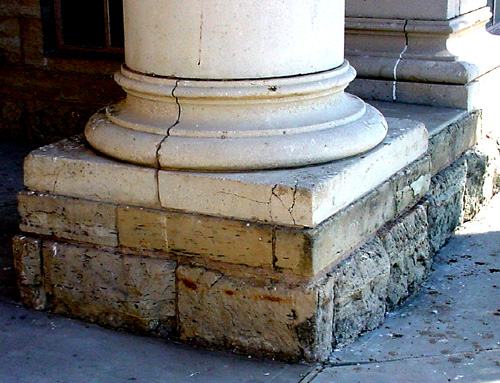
pixel 83 26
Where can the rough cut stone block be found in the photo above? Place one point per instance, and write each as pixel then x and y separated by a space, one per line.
pixel 479 185
pixel 110 288
pixel 307 252
pixel 290 322
pixel 407 245
pixel 449 143
pixel 68 218
pixel 360 289
pixel 445 203
pixel 28 264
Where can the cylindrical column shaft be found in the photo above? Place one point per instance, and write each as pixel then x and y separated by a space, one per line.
pixel 230 39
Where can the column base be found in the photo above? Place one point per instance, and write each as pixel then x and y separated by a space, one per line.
pixel 231 125
pixel 430 62
pixel 118 254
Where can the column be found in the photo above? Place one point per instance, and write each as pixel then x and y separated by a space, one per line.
pixel 235 85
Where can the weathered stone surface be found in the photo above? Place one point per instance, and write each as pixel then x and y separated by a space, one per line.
pixel 68 218
pixel 110 288
pixel 231 241
pixel 407 245
pixel 448 144
pixel 360 289
pixel 307 252
pixel 219 239
pixel 290 322
pixel 28 264
pixel 142 228
pixel 445 203
pixel 302 197
pixel 69 168
pixel 479 184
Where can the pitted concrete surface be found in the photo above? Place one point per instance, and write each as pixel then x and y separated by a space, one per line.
pixel 448 332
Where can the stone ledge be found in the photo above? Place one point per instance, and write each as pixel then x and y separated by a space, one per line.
pixel 302 197
pixel 451 131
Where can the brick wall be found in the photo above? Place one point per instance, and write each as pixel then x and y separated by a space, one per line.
pixel 45 97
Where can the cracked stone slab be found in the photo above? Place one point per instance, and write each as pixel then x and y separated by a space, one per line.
pixel 296 197
pixel 302 197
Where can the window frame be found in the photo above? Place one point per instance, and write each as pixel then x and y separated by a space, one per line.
pixel 54 44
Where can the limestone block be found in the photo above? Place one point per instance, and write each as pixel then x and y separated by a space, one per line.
pixel 291 322
pixel 479 186
pixel 360 289
pixel 448 144
pixel 68 218
pixel 445 203
pixel 28 266
pixel 69 168
pixel 407 245
pixel 142 228
pixel 307 252
pixel 110 288
pixel 226 240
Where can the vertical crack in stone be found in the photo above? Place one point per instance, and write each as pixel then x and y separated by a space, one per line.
pixel 201 35
pixel 273 249
pixel 287 208
pixel 395 71
pixel 158 147
pixel 294 199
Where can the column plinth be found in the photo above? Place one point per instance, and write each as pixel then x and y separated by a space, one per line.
pixel 234 88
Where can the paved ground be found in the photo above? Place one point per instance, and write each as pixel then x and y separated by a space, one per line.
pixel 449 332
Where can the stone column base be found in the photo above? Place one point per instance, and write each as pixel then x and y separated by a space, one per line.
pixel 430 62
pixel 286 263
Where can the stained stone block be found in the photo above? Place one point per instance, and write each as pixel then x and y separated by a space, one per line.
pixel 360 289
pixel 142 228
pixel 28 264
pixel 68 218
pixel 407 245
pixel 293 322
pixel 445 203
pixel 110 288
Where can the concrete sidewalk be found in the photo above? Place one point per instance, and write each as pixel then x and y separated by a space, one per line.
pixel 448 332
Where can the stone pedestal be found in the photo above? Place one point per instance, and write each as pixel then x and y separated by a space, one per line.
pixel 273 258
pixel 431 53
